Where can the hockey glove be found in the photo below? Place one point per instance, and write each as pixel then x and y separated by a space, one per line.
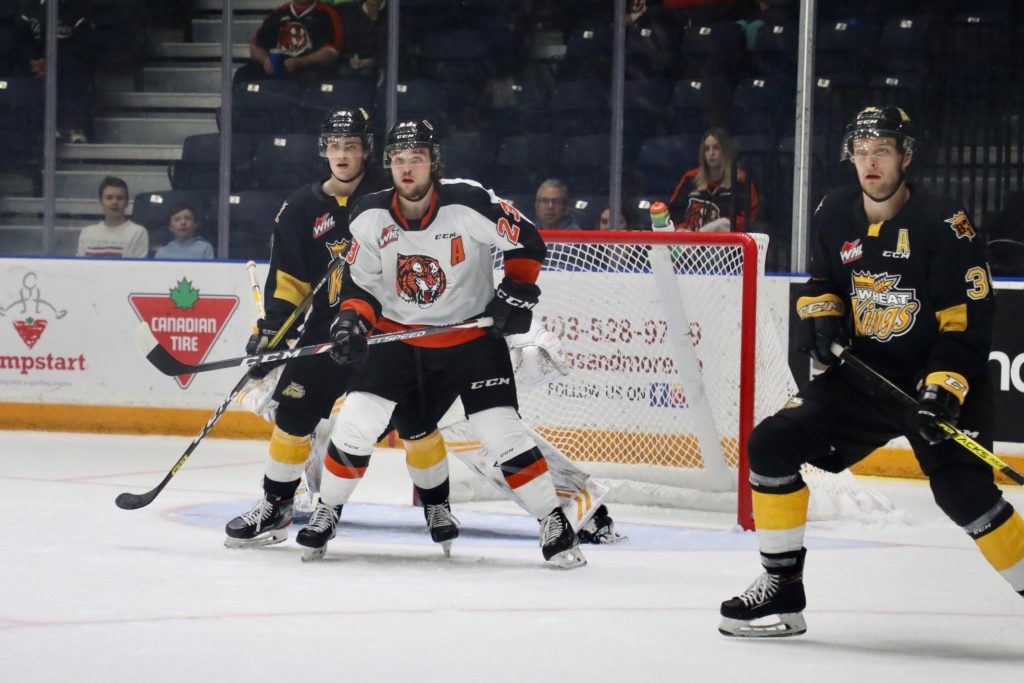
pixel 512 307
pixel 821 323
pixel 348 332
pixel 940 398
pixel 258 342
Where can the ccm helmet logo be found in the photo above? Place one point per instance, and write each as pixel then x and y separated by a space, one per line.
pixel 513 301
pixel 493 382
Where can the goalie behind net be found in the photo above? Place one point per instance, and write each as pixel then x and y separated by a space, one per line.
pixel 623 411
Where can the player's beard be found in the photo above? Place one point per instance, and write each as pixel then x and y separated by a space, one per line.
pixel 415 192
pixel 893 189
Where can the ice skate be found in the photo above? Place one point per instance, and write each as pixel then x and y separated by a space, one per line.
pixel 444 528
pixel 558 541
pixel 266 523
pixel 600 529
pixel 772 607
pixel 322 526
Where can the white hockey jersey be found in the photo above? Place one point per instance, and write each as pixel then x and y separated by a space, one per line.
pixel 437 270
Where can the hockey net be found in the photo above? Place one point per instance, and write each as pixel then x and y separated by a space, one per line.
pixel 675 355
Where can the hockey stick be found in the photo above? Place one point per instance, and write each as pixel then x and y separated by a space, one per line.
pixel 134 501
pixel 163 361
pixel 257 298
pixel 909 401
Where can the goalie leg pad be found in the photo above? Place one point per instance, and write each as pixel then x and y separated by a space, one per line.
pixel 527 474
pixel 360 420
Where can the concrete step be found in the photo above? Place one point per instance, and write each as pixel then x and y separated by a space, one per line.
pixel 209 30
pixel 159 100
pixel 85 183
pixel 183 79
pixel 209 51
pixel 114 152
pixel 152 131
pixel 32 208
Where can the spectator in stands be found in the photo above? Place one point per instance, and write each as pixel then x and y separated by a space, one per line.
pixel 115 236
pixel 365 39
pixel 300 40
pixel 552 206
pixel 715 196
pixel 626 219
pixel 186 244
pixel 75 64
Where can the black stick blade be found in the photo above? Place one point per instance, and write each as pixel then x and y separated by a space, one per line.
pixel 132 501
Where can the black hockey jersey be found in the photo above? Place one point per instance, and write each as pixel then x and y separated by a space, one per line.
pixel 917 287
pixel 311 229
pixel 437 270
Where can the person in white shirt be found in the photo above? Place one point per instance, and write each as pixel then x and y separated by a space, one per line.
pixel 115 236
pixel 185 245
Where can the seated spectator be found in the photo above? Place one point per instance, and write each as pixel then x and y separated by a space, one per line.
pixel 299 40
pixel 75 64
pixel 626 219
pixel 552 206
pixel 115 236
pixel 186 245
pixel 365 39
pixel 705 198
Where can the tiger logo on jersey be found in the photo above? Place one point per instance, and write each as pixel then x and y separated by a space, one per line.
pixel 699 213
pixel 961 225
pixel 881 310
pixel 420 280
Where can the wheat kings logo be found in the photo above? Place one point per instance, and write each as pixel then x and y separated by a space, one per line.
pixel 881 310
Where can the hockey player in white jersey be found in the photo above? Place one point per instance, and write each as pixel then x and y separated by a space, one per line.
pixel 421 256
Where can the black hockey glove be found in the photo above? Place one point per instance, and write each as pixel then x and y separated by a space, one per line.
pixel 348 332
pixel 258 342
pixel 821 323
pixel 512 307
pixel 939 399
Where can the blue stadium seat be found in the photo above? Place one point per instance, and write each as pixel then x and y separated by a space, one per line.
pixel 903 45
pixel 588 53
pixel 645 104
pixel 199 166
pixel 252 223
pixel 712 49
pixel 584 162
pixel 774 52
pixel 698 103
pixel 284 162
pixel 319 99
pixel 266 107
pixel 663 160
pixel 842 44
pixel 587 208
pixel 470 156
pixel 152 210
pixel 758 104
pixel 577 107
pixel 524 161
pixel 465 54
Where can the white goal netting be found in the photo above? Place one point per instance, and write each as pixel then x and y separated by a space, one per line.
pixel 661 394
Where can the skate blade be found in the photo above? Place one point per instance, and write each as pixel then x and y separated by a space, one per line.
pixel 269 538
pixel 314 554
pixel 604 538
pixel 446 546
pixel 568 559
pixel 786 625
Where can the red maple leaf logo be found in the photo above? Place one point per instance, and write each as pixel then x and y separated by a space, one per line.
pixel 30 329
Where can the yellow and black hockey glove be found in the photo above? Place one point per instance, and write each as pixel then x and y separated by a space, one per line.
pixel 940 398
pixel 821 323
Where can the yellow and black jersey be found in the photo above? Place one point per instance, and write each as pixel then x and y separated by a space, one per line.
pixel 917 287
pixel 311 229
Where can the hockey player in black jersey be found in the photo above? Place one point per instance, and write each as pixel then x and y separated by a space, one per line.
pixel 421 255
pixel 311 230
pixel 900 275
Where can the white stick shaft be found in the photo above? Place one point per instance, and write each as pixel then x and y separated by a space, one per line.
pixel 257 297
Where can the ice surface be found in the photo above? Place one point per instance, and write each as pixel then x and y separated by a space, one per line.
pixel 89 592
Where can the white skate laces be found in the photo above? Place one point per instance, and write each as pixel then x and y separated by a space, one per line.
pixel 551 529
pixel 762 590
pixel 439 515
pixel 259 513
pixel 323 518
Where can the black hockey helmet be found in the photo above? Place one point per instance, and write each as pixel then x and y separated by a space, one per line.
pixel 879 122
pixel 347 123
pixel 412 135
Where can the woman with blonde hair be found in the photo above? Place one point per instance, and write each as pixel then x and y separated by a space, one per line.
pixel 714 196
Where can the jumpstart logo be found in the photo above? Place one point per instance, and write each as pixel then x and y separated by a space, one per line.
pixel 30 315
pixel 184 322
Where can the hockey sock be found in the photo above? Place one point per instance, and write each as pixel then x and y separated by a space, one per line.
pixel 527 474
pixel 999 534
pixel 780 512
pixel 287 456
pixel 342 474
pixel 284 490
pixel 428 467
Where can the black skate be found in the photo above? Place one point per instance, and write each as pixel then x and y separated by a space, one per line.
pixel 600 529
pixel 775 600
pixel 444 528
pixel 266 523
pixel 558 541
pixel 322 526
